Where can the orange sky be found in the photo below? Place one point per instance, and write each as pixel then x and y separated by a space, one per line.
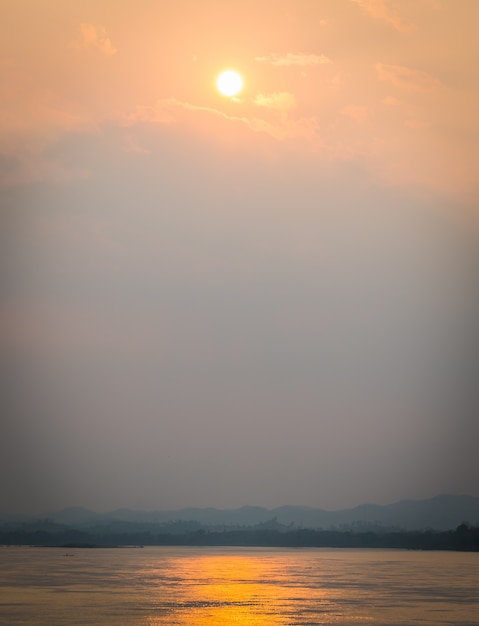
pixel 392 85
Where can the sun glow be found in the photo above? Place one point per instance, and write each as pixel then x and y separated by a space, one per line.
pixel 229 83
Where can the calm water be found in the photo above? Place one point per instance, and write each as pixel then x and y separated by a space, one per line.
pixel 240 587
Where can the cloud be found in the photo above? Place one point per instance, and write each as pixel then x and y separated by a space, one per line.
pixel 289 59
pixel 382 10
pixel 26 168
pixel 32 118
pixel 167 111
pixel 416 124
pixel 406 78
pixel 159 113
pixel 280 101
pixel 358 113
pixel 303 128
pixel 392 101
pixel 172 111
pixel 91 36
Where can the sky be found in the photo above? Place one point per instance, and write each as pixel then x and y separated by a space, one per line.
pixel 264 299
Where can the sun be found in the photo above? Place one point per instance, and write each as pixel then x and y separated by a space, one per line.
pixel 229 83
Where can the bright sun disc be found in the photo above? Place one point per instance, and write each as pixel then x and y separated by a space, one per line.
pixel 229 83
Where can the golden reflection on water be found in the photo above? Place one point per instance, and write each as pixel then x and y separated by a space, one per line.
pixel 227 590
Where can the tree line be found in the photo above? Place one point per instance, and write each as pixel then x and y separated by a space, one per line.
pixel 465 538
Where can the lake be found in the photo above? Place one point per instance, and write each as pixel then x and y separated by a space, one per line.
pixel 156 586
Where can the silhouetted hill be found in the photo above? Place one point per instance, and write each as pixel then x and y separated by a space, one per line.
pixel 74 515
pixel 442 512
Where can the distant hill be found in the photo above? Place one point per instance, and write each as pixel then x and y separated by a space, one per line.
pixel 74 515
pixel 442 512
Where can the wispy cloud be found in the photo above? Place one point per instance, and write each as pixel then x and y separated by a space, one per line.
pixel 29 166
pixel 32 119
pixel 382 10
pixel 406 78
pixel 91 36
pixel 359 114
pixel 168 111
pixel 392 101
pixel 280 101
pixel 159 113
pixel 289 59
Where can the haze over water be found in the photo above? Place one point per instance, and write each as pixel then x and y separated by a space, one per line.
pixel 241 587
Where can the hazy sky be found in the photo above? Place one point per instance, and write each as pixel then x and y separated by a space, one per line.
pixel 269 299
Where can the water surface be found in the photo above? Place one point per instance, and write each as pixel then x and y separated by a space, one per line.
pixel 169 586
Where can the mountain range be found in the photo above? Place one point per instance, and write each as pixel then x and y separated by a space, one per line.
pixel 441 512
